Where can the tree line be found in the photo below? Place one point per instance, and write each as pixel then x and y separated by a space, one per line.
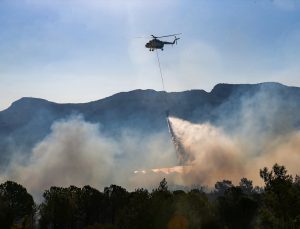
pixel 277 205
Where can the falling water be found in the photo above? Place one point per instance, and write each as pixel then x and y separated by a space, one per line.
pixel 181 154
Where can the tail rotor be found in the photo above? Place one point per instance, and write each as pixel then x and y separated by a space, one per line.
pixel 175 40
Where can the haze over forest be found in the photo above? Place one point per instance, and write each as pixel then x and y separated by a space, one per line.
pixel 228 133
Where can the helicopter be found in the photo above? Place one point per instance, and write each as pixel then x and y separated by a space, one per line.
pixel 155 43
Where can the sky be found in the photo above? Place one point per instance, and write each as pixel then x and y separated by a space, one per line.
pixel 83 50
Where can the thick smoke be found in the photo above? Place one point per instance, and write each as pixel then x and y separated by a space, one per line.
pixel 251 130
pixel 215 155
pixel 74 153
pixel 77 153
pixel 212 155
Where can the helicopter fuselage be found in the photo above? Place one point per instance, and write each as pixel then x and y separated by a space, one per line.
pixel 155 44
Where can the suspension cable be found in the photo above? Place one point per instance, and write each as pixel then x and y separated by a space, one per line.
pixel 161 76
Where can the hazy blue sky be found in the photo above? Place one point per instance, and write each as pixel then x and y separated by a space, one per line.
pixel 83 50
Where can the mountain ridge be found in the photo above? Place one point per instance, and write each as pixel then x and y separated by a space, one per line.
pixel 215 90
pixel 217 87
pixel 28 120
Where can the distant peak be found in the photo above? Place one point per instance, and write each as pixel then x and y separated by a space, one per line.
pixel 28 101
pixel 31 100
pixel 223 89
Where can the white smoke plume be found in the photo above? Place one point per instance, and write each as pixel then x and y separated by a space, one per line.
pixel 244 138
pixel 77 153
pixel 215 155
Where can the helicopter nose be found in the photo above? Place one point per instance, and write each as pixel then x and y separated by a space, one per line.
pixel 147 45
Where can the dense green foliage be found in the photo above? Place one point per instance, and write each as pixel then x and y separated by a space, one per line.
pixel 229 206
pixel 16 205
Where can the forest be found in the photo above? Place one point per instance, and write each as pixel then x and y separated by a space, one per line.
pixel 276 205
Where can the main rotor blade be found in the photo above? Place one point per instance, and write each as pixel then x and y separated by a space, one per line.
pixel 171 35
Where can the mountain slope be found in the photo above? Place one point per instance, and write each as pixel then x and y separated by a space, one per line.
pixel 29 120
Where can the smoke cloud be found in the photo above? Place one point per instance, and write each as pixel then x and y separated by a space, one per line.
pixel 77 153
pixel 215 155
pixel 251 131
pixel 74 153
